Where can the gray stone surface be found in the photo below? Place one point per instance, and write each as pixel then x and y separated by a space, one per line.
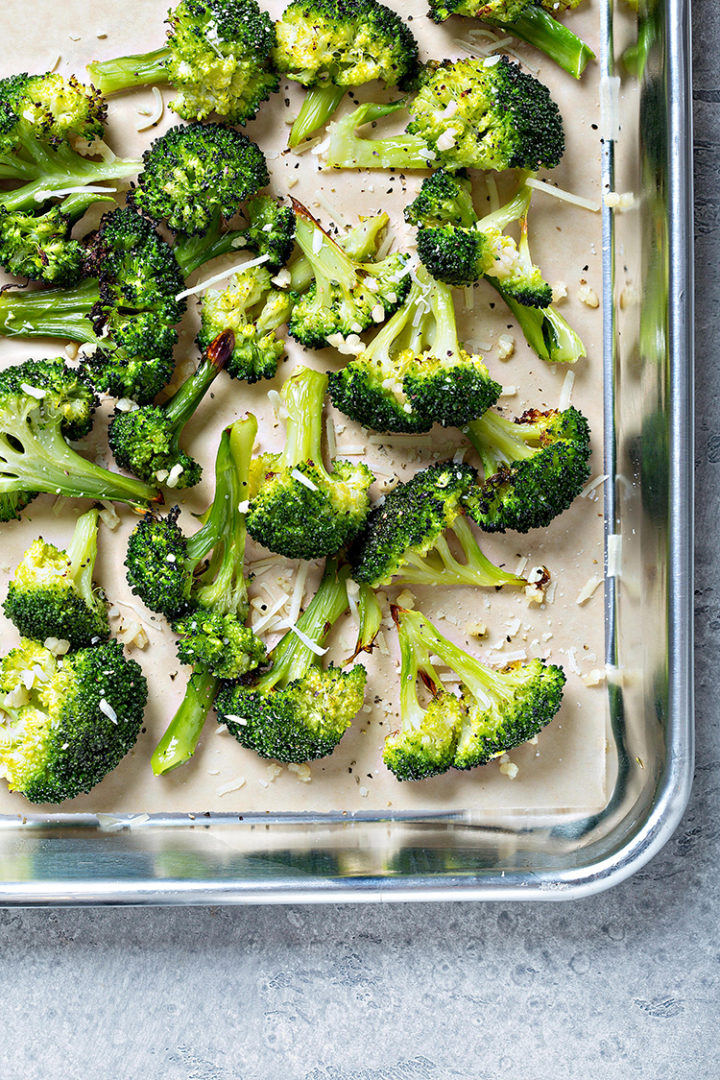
pixel 624 985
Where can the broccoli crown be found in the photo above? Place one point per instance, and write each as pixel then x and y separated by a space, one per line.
pixel 452 254
pixel 444 198
pixel 157 564
pixel 195 171
pixel 220 59
pixel 502 11
pixel 73 724
pixel 344 42
pixel 415 372
pixel 218 643
pixel 298 508
pixel 271 230
pixel 49 108
pixel 252 310
pixel 495 711
pixel 52 593
pixel 346 297
pixel 534 468
pixel 502 118
pixel 64 391
pixel 38 246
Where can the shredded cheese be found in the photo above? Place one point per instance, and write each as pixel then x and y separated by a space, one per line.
pixel 239 269
pixel 564 196
pixel 154 115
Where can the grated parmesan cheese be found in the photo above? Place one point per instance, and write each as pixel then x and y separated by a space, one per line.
pixel 238 269
pixel 564 196
pixel 232 785
pixel 588 590
pixel 154 115
pixel 566 391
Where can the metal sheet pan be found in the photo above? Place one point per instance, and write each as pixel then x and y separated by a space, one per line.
pixel 78 859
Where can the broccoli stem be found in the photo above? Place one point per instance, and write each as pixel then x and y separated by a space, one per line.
pixel 124 72
pixel 329 263
pixel 321 102
pixel 414 662
pixel 184 402
pixel 537 26
pixel 303 395
pixel 50 312
pixel 48 171
pixel 545 330
pixel 437 329
pixel 359 243
pixel 512 211
pixel 192 252
pixel 291 657
pixel 348 150
pixel 82 553
pixel 440 567
pixel 499 441
pixel 369 614
pixel 181 738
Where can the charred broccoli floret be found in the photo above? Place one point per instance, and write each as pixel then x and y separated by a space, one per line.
pixel 534 21
pixel 415 373
pixel 39 115
pixel 465 115
pixel 195 174
pixel 495 712
pixel 331 45
pixel 345 297
pixel 297 507
pixel 39 246
pixel 52 594
pixel 404 540
pixel 252 311
pixel 146 440
pixel 217 56
pixel 534 467
pixel 42 405
pixel 73 724
pixel 298 711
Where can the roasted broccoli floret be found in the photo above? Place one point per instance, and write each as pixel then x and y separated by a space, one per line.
pixel 270 232
pixel 195 173
pixel 42 405
pixel 345 297
pixel 124 315
pixel 415 373
pixel 212 636
pixel 534 467
pixel 297 507
pixel 252 311
pixel 331 45
pixel 298 711
pixel 67 721
pixel 465 115
pixel 217 56
pixel 146 440
pixel 404 540
pixel 534 21
pixel 495 712
pixel 52 594
pixel 39 115
pixel 39 246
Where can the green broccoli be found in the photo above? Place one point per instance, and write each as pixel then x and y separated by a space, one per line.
pixel 252 311
pixel 146 440
pixel 415 373
pixel 52 594
pixel 39 116
pixel 366 607
pixel 217 56
pixel 404 539
pixel 495 712
pixel 298 711
pixel 534 21
pixel 332 45
pixel 345 297
pixel 196 173
pixel 297 507
pixel 534 467
pixel 42 405
pixel 360 243
pixel 124 314
pixel 467 114
pixel 270 231
pixel 210 622
pixel 73 724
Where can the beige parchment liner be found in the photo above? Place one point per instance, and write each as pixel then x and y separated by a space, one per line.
pixel 566 769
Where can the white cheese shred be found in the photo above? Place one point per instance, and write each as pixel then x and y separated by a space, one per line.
pixel 154 115
pixel 304 480
pixel 312 645
pixel 565 196
pixel 566 391
pixel 239 269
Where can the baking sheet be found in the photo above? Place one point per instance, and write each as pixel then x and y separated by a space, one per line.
pixel 567 768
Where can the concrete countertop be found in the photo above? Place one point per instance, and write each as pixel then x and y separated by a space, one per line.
pixel 623 985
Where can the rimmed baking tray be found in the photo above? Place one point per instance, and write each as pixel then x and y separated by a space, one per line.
pixel 648 398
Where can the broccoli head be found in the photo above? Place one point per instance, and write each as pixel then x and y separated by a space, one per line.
pixel 297 507
pixel 298 711
pixel 52 594
pixel 495 711
pixel 534 467
pixel 39 247
pixel 195 172
pixel 271 230
pixel 404 540
pixel 252 311
pixel 218 643
pixel 345 297
pixel 73 724
pixel 415 373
